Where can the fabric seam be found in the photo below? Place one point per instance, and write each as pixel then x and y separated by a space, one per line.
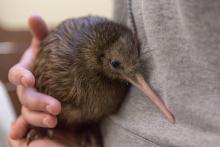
pixel 134 133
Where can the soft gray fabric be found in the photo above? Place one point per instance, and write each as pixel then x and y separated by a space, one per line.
pixel 183 66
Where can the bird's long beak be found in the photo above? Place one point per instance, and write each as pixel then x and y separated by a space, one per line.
pixel 140 83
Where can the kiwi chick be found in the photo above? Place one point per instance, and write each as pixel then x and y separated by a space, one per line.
pixel 86 63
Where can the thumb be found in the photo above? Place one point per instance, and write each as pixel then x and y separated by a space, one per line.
pixel 38 29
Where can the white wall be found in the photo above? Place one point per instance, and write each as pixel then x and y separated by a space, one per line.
pixel 14 13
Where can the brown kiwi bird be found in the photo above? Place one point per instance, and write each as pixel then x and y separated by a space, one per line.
pixel 87 63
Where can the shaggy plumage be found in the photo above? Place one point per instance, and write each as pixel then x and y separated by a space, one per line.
pixel 86 63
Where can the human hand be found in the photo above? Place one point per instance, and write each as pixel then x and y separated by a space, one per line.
pixel 37 109
pixel 16 139
pixel 61 138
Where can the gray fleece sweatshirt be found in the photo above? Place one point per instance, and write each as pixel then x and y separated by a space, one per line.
pixel 181 49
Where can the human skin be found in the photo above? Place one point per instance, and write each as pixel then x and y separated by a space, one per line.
pixel 38 109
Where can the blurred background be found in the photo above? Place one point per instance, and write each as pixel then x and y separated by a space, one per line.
pixel 15 38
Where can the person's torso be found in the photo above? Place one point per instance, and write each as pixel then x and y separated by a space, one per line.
pixel 181 47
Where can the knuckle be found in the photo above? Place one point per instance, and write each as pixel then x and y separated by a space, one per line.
pixel 12 74
pixel 23 111
pixel 32 99
pixel 31 102
pixel 26 114
pixel 27 99
pixel 34 103
pixel 19 90
pixel 24 101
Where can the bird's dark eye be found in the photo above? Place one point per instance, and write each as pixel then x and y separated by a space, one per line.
pixel 115 64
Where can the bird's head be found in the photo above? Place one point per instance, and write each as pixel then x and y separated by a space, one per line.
pixel 121 60
pixel 115 52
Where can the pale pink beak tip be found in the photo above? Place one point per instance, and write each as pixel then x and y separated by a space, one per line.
pixel 171 118
pixel 143 86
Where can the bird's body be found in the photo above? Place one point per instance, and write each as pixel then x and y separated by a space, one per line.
pixel 64 69
pixel 86 63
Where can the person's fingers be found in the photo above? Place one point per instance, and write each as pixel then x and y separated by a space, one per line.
pixel 17 143
pixel 39 119
pixel 18 128
pixel 22 71
pixel 37 101
pixel 18 75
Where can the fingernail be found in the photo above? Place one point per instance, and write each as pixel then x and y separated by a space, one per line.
pixel 52 110
pixel 49 122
